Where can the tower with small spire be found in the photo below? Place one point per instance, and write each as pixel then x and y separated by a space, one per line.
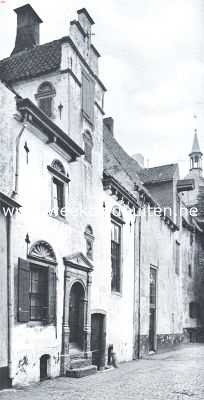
pixel 195 172
pixel 196 157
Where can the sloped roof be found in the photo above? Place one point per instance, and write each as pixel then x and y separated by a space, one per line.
pixel 161 173
pixel 31 63
pixel 115 157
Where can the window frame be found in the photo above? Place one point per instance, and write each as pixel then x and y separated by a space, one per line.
pixel 177 257
pixel 41 270
pixel 87 97
pixel 26 267
pixel 46 94
pixel 114 289
pixel 58 178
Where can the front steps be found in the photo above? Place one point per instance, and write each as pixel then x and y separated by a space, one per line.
pixel 80 366
pixel 81 372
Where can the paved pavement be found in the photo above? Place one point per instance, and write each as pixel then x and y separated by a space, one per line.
pixel 177 375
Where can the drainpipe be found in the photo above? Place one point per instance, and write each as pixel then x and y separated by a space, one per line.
pixel 139 287
pixel 15 192
pixel 9 268
pixel 9 296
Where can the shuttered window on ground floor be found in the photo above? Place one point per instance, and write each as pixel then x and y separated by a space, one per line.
pixel 36 292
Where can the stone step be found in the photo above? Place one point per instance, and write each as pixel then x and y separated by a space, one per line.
pixel 77 355
pixel 81 372
pixel 79 362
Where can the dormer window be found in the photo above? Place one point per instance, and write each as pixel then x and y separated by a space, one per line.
pixel 44 96
pixel 88 146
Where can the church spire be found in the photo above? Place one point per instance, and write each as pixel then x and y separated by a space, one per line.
pixel 196 154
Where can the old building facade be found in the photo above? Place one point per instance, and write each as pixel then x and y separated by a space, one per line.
pixel 91 268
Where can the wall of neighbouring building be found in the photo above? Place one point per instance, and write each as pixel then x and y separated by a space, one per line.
pixel 157 250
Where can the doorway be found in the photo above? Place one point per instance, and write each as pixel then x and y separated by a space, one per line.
pixel 98 340
pixel 44 361
pixel 152 309
pixel 76 315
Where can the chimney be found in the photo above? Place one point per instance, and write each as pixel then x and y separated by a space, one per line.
pixel 85 20
pixel 109 122
pixel 28 29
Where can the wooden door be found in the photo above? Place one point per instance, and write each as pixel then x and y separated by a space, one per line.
pixel 98 340
pixel 76 314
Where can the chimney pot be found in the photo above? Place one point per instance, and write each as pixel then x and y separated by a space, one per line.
pixel 28 28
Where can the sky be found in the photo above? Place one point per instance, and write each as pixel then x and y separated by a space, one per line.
pixel 152 63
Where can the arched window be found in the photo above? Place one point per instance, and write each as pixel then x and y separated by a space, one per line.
pixel 89 237
pixel 45 95
pixel 58 166
pixel 116 248
pixel 59 182
pixel 88 146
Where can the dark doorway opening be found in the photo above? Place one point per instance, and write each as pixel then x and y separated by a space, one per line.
pixel 152 309
pixel 76 314
pixel 44 364
pixel 98 340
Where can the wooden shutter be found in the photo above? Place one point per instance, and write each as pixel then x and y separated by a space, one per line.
pixel 51 295
pixel 23 290
pixel 88 89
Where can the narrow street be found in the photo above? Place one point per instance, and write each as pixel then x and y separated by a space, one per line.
pixel 177 375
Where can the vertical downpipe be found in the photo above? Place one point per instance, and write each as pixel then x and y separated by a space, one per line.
pixel 139 287
pixel 9 296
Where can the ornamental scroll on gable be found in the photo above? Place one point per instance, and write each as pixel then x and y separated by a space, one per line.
pixel 42 251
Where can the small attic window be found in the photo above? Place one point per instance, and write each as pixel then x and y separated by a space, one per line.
pixel 44 96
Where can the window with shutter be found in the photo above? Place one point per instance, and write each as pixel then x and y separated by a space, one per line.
pixel 88 92
pixel 23 290
pixel 38 293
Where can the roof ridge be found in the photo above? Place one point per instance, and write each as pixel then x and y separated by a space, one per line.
pixel 26 51
pixel 160 166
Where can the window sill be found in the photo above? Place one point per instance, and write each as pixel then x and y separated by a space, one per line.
pixel 34 324
pixel 59 218
pixel 114 293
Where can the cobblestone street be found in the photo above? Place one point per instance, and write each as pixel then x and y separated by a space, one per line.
pixel 177 375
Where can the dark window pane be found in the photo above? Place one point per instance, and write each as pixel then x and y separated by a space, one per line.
pixel 38 294
pixel 58 194
pixel 115 256
pixel 45 104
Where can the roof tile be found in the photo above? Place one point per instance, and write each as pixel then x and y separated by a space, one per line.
pixel 31 63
